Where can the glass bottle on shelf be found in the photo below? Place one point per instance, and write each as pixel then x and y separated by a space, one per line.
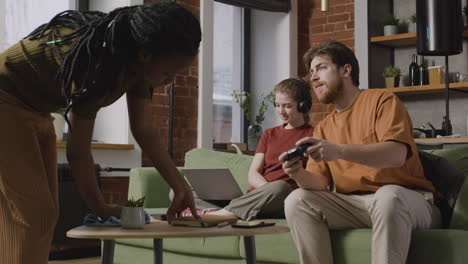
pixel 414 71
pixel 444 127
pixel 423 74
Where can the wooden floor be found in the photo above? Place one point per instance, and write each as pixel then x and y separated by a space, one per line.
pixel 96 260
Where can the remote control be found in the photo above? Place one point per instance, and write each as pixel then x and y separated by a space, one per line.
pixel 297 151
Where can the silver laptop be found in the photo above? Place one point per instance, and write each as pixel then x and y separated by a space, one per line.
pixel 213 184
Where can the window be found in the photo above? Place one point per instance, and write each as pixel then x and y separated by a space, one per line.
pixel 267 55
pixel 20 17
pixel 227 72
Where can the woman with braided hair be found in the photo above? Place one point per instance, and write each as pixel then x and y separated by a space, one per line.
pixel 82 61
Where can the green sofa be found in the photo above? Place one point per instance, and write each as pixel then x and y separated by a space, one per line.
pixel 446 246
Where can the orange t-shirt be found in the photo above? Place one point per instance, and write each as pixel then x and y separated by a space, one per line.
pixel 374 116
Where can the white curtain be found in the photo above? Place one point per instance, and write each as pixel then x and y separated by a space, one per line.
pixel 19 17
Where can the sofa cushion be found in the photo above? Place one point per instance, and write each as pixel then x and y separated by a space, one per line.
pixel 427 246
pixel 143 182
pixel 446 179
pixel 237 164
pixel 458 157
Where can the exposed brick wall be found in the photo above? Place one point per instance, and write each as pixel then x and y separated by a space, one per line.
pixel 185 104
pixel 315 27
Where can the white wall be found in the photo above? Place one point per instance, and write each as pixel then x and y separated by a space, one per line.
pixel 274 55
pixel 19 17
pixel 361 42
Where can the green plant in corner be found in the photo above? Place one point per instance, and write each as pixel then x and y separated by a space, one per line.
pixel 243 99
pixel 391 71
pixel 133 203
pixel 390 20
pixel 412 19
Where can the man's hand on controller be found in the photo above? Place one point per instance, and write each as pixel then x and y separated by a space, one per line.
pixel 322 149
pixel 291 166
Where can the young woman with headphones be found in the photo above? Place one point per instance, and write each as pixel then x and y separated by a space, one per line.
pixel 82 61
pixel 270 185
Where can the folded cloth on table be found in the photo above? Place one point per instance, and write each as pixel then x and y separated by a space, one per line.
pixel 93 220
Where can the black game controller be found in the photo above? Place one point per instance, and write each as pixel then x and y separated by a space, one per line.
pixel 297 151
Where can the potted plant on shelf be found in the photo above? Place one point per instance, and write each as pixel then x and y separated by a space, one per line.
pixel 412 23
pixel 255 129
pixel 390 23
pixel 392 76
pixel 133 214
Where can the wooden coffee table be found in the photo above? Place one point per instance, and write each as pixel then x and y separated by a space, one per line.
pixel 157 230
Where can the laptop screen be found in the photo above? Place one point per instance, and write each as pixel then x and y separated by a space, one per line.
pixel 213 184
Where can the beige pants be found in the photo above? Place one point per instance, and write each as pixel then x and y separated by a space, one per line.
pixel 267 201
pixel 392 213
pixel 28 183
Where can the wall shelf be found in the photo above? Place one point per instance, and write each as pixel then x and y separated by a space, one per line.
pixel 442 140
pixel 95 145
pixel 398 40
pixel 427 89
pixel 401 40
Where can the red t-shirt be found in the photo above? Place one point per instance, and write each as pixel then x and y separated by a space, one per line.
pixel 273 143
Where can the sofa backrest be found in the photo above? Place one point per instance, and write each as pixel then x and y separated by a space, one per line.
pixel 237 164
pixel 458 157
pixel 148 183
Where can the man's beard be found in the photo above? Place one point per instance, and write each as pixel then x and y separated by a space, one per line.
pixel 331 91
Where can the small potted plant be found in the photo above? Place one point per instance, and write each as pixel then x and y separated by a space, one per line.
pixel 133 214
pixel 412 24
pixel 392 76
pixel 391 24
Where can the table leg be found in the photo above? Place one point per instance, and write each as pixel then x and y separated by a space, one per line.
pixel 249 243
pixel 108 252
pixel 158 250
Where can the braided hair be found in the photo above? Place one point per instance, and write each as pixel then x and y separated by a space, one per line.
pixel 103 44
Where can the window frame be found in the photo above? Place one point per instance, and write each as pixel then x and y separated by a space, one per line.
pixel 205 84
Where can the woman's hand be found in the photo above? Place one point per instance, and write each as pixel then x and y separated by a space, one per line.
pixel 182 200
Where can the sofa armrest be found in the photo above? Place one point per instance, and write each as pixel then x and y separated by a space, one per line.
pixel 149 183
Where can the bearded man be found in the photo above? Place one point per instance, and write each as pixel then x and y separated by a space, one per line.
pixel 366 148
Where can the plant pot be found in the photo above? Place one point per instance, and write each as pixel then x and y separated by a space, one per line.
pixel 253 136
pixel 59 124
pixel 412 27
pixel 390 30
pixel 392 82
pixel 132 217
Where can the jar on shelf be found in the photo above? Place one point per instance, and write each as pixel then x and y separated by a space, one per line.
pixel 436 75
